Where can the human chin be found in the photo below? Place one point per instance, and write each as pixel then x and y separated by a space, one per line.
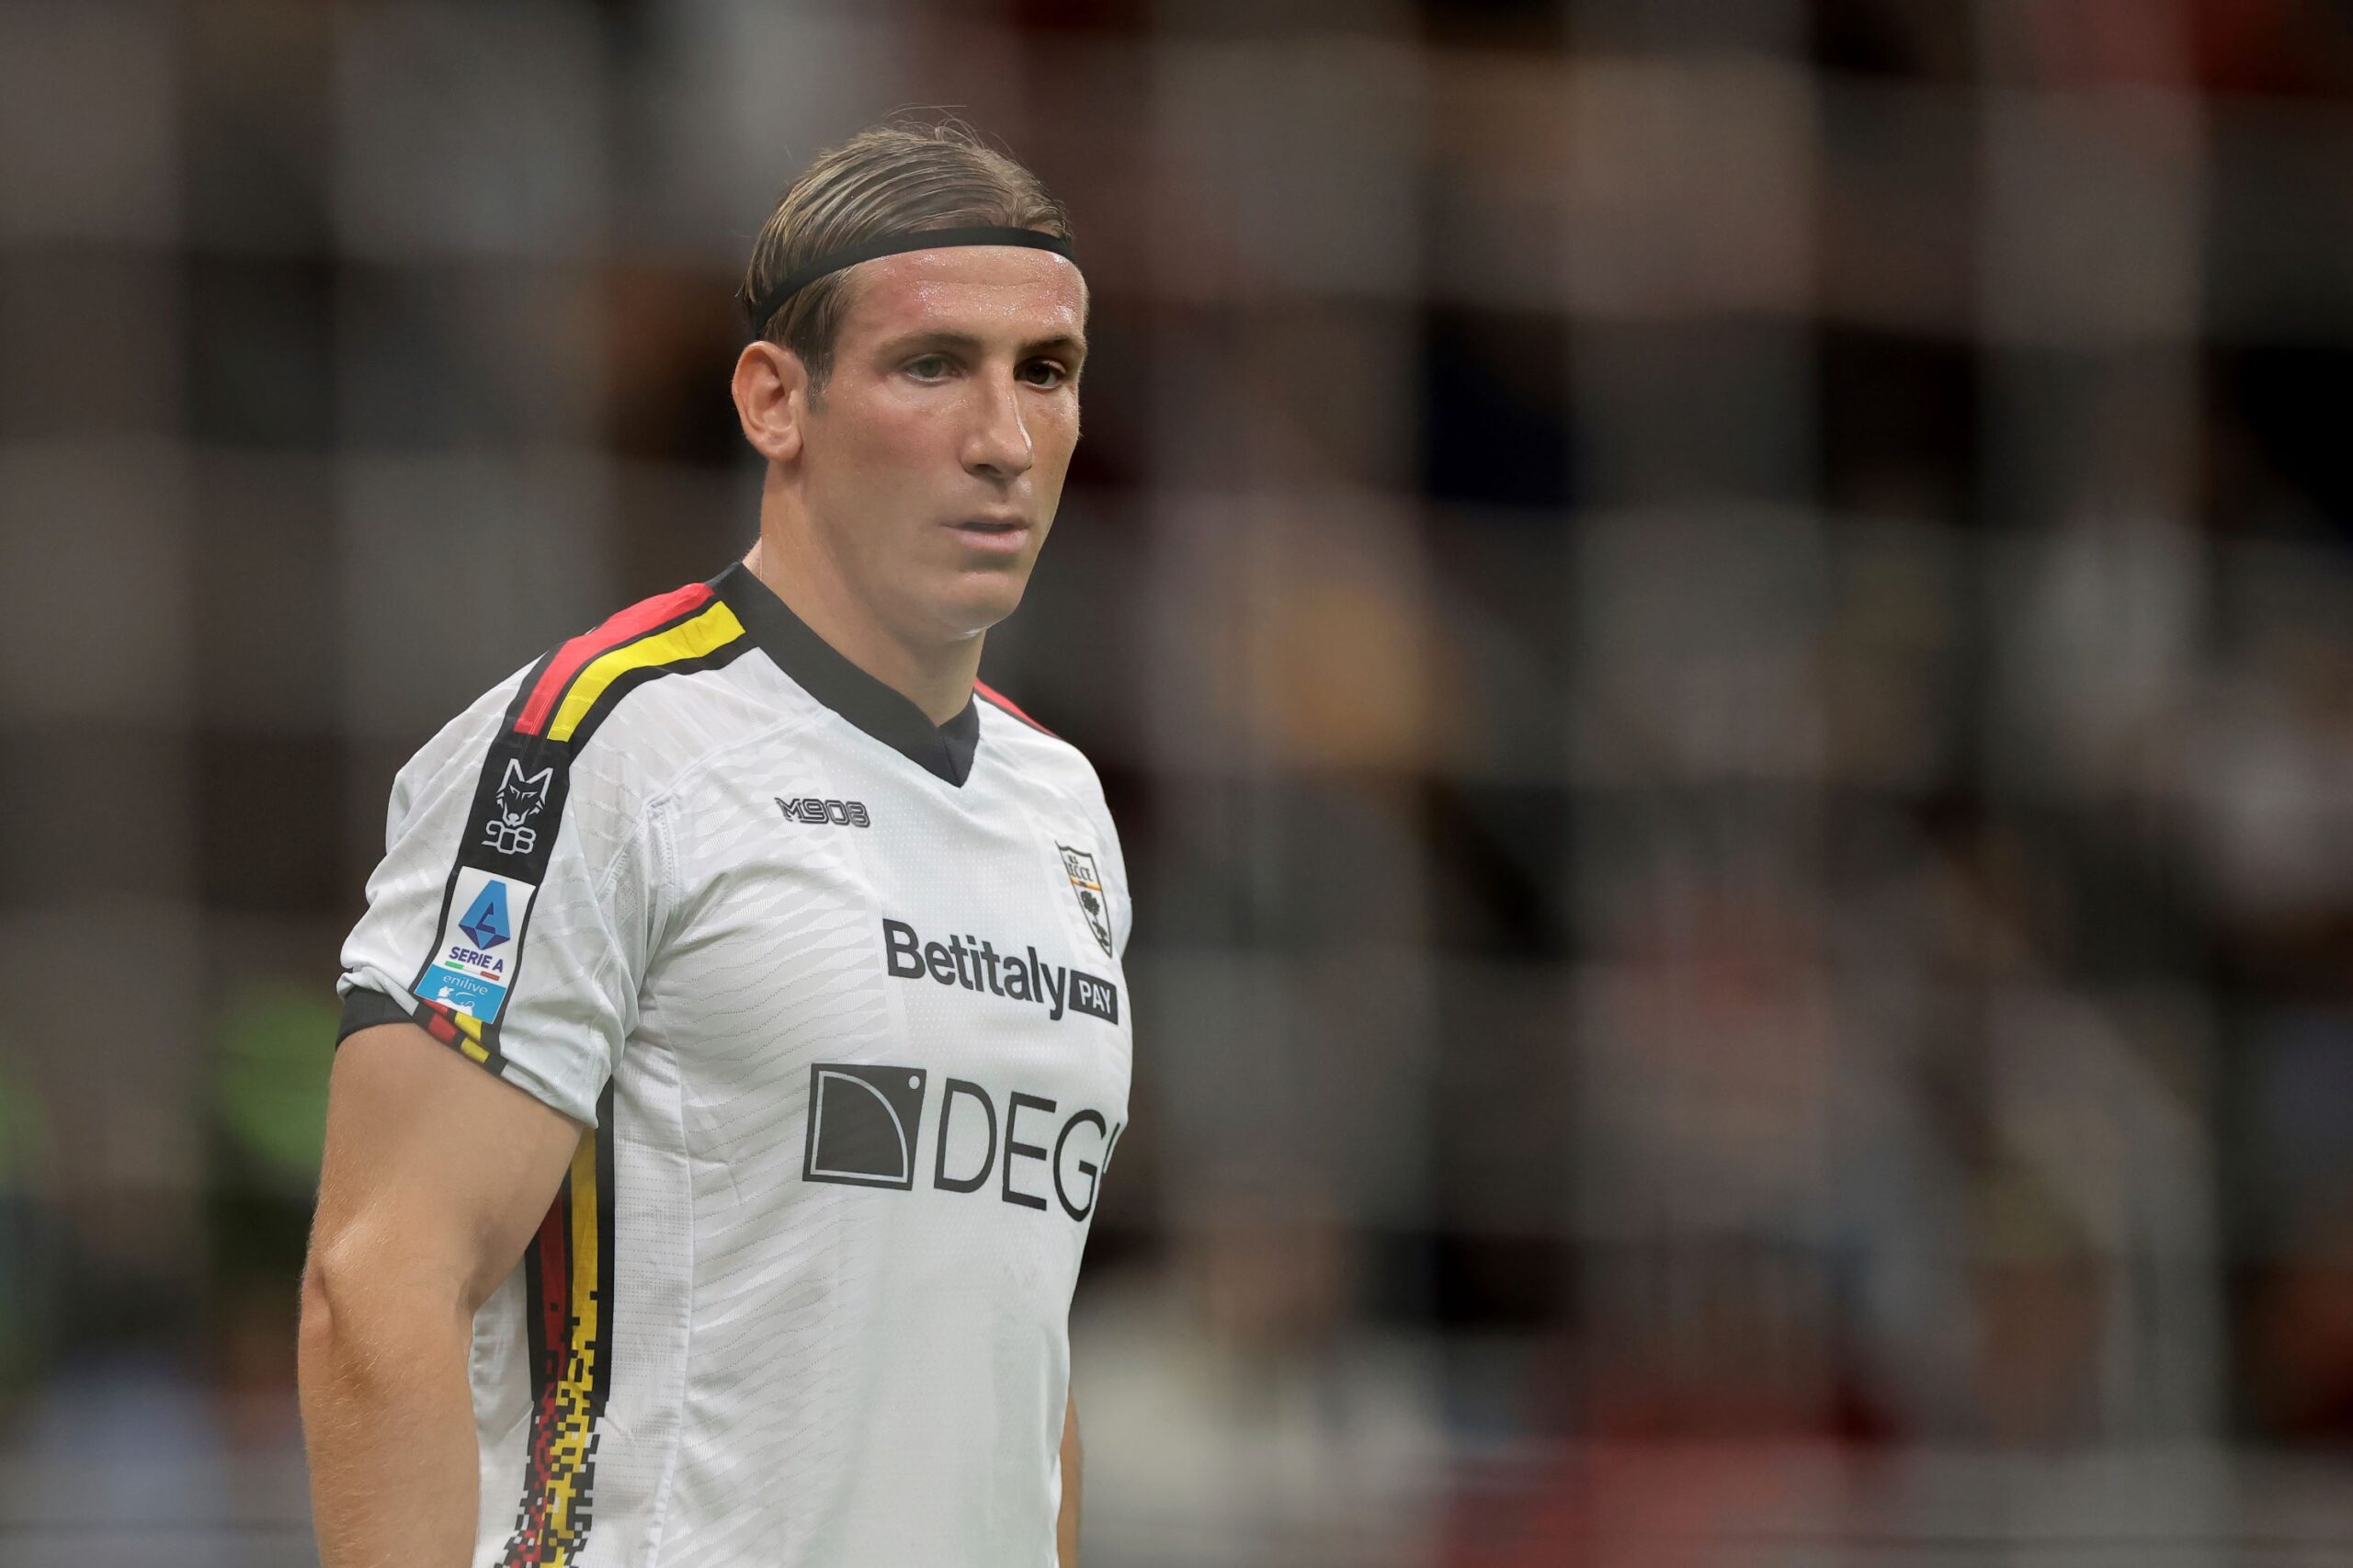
pixel 968 602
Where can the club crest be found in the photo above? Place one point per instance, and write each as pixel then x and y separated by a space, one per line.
pixel 520 797
pixel 1087 883
pixel 519 800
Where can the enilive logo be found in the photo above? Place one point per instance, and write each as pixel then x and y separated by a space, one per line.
pixel 866 1123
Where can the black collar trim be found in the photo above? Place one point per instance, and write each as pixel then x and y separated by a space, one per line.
pixel 821 670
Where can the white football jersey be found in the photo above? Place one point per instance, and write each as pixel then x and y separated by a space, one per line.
pixel 838 993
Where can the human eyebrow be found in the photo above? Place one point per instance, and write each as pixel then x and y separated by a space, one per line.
pixel 1068 346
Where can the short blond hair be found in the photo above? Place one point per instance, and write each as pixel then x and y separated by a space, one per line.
pixel 884 179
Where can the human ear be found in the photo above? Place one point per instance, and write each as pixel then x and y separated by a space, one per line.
pixel 772 389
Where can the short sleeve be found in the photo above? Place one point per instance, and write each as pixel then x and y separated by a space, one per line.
pixel 510 913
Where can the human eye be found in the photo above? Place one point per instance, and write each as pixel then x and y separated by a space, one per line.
pixel 929 367
pixel 1048 373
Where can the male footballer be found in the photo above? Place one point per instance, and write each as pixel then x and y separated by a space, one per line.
pixel 736 1037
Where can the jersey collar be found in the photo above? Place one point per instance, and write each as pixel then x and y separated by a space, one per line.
pixel 821 670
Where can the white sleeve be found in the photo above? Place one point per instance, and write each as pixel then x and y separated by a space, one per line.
pixel 510 915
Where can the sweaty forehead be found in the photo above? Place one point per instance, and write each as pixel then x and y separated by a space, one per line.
pixel 969 289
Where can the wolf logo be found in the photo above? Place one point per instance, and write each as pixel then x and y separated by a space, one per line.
pixel 519 798
pixel 1087 883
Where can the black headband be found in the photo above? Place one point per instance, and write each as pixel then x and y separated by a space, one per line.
pixel 895 242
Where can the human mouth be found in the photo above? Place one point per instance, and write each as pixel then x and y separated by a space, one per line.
pixel 999 535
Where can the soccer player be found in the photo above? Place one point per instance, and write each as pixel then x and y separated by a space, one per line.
pixel 736 1037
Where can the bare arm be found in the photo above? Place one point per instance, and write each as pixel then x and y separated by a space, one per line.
pixel 1066 1527
pixel 436 1176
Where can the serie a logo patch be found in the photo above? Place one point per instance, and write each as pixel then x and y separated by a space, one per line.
pixel 473 963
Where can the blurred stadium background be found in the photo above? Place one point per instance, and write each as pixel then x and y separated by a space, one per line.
pixel 1722 632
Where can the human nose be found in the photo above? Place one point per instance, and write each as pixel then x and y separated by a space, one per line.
pixel 998 443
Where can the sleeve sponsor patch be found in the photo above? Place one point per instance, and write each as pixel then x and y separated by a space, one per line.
pixel 509 839
pixel 473 962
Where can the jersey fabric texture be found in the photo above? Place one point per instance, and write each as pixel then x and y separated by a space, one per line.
pixel 837 994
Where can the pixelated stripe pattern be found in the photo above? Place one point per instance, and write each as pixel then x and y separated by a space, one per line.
pixel 568 1286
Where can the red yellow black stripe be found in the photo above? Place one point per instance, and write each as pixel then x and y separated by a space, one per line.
pixel 535 705
pixel 568 1289
pixel 560 705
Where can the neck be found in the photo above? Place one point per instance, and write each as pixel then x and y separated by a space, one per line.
pixel 791 559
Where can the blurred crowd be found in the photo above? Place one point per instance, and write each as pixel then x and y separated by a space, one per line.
pixel 1721 632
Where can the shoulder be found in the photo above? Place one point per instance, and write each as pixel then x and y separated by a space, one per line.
pixel 582 697
pixel 1029 746
pixel 606 718
pixel 1042 757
